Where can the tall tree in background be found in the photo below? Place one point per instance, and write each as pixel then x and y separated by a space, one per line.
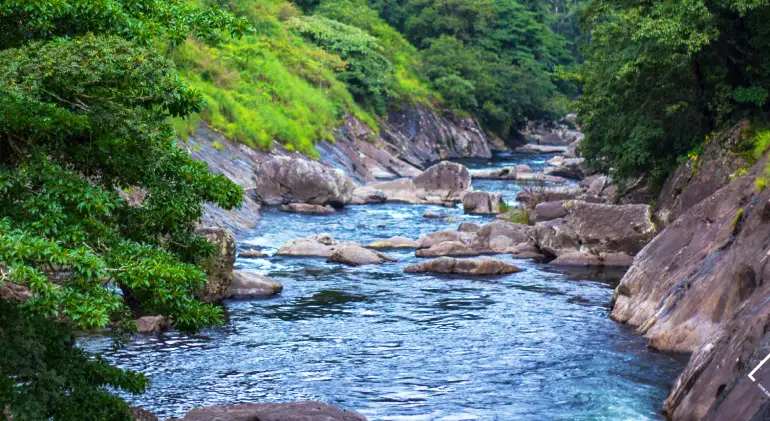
pixel 83 116
pixel 660 76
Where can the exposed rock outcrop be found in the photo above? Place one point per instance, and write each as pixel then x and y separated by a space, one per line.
pixel 152 324
pixel 219 267
pixel 505 173
pixel 394 242
pixel 307 209
pixel 293 411
pixel 574 168
pixel 499 236
pixel 448 180
pixel 282 180
pixel 472 266
pixel 354 255
pixel 447 248
pixel 482 202
pixel 320 245
pixel 249 284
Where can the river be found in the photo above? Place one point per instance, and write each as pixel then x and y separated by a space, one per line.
pixel 535 345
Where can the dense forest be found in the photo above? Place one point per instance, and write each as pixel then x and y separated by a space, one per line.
pixel 93 94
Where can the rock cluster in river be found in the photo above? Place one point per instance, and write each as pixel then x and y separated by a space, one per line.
pixel 473 266
pixel 290 411
pixel 283 180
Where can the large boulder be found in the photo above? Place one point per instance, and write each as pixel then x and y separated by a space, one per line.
pixel 219 267
pixel 574 168
pixel 449 180
pixel 281 180
pixel 573 150
pixel 481 202
pixel 447 248
pixel 505 173
pixel 548 211
pixel 553 139
pixel 249 284
pixel 400 190
pixel 611 228
pixel 438 237
pixel 140 414
pixel 353 255
pixel 556 237
pixel 531 197
pixel 292 411
pixel 363 195
pixel 498 236
pixel 577 258
pixel 471 266
pixel 152 324
pixel 320 245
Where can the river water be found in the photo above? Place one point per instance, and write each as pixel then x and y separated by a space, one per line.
pixel 535 345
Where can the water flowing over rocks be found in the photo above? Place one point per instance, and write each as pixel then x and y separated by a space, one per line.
pixel 249 284
pixel 320 245
pixel 293 411
pixel 471 266
pixel 282 180
pixel 353 255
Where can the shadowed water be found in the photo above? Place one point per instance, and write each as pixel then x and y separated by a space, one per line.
pixel 536 345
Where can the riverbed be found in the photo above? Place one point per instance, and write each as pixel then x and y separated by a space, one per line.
pixel 535 345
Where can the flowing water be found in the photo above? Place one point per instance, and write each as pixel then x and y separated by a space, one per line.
pixel 535 345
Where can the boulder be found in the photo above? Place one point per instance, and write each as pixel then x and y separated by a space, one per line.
pixel 307 209
pixel 433 215
pixel 553 139
pixel 573 150
pixel 505 173
pixel 530 148
pixel 14 292
pixel 531 197
pixel 556 237
pixel 540 177
pixel 498 236
pixel 394 242
pixel 481 202
pixel 596 185
pixel 293 411
pixel 438 237
pixel 571 168
pixel 249 284
pixel 140 414
pixel 525 251
pixel 468 227
pixel 152 324
pixel 577 258
pixel 611 228
pixel 219 267
pixel 471 266
pixel 320 245
pixel 251 254
pixel 446 179
pixel 356 256
pixel 447 248
pixel 364 195
pixel 401 190
pixel 282 180
pixel 548 211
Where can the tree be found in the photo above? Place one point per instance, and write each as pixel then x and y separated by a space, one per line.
pixel 84 118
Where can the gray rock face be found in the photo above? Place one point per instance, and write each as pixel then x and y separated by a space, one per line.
pixel 449 180
pixel 482 202
pixel 356 256
pixel 447 248
pixel 320 245
pixel 219 267
pixel 249 284
pixel 577 258
pixel 531 148
pixel 394 242
pixel 498 236
pixel 307 209
pixel 548 211
pixel 553 139
pixel 152 324
pixel 573 150
pixel 574 168
pixel 472 266
pixel 364 195
pixel 506 173
pixel 468 227
pixel 444 236
pixel 281 180
pixel 140 414
pixel 294 411
pixel 556 237
pixel 612 228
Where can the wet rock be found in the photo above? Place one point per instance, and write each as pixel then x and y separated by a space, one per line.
pixel 395 242
pixel 548 211
pixel 471 266
pixel 288 180
pixel 140 414
pixel 320 245
pixel 438 237
pixel 249 284
pixel 498 236
pixel 307 209
pixel 219 267
pixel 363 195
pixel 251 254
pixel 152 324
pixel 356 256
pixel 449 180
pixel 433 215
pixel 447 248
pixel 530 148
pixel 293 411
pixel 481 202
pixel 468 227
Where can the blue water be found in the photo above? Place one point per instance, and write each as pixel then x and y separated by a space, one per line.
pixel 536 345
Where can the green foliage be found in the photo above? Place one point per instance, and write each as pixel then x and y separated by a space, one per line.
pixel 761 144
pixel 45 377
pixel 515 214
pixel 660 76
pixel 85 116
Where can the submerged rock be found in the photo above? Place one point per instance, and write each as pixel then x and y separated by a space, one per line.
pixel 471 266
pixel 307 209
pixel 356 256
pixel 482 202
pixel 320 245
pixel 292 411
pixel 249 284
pixel 394 242
pixel 282 180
